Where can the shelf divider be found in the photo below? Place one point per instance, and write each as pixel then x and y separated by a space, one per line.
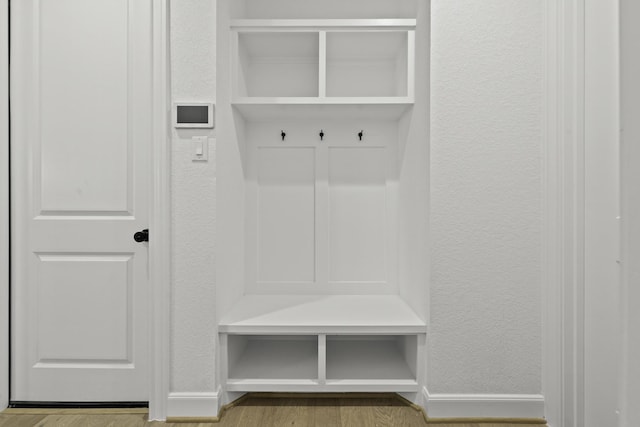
pixel 411 64
pixel 322 359
pixel 322 64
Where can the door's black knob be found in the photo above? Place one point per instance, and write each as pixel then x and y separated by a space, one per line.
pixel 141 236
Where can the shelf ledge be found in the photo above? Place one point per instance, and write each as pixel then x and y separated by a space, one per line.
pixel 316 24
pixel 260 109
pixel 314 386
pixel 321 314
pixel 328 100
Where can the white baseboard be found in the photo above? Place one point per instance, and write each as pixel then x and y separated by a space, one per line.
pixel 196 405
pixel 483 405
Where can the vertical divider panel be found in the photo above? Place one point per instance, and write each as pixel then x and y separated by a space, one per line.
pixel 411 64
pixel 224 357
pixel 392 254
pixel 322 64
pixel 322 359
pixel 251 220
pixel 408 345
pixel 235 65
pixel 322 214
pixel 421 357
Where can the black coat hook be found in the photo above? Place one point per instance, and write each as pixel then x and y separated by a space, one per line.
pixel 282 134
pixel 360 134
pixel 321 134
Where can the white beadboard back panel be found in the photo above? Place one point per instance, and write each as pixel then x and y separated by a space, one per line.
pixel 285 214
pixel 486 174
pixel 193 194
pixel 357 214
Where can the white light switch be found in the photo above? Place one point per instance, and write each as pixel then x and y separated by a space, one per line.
pixel 200 148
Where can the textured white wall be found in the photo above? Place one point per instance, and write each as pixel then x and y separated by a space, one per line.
pixel 486 145
pixel 486 182
pixel 193 203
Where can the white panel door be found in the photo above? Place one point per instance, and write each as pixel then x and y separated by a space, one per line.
pixel 81 139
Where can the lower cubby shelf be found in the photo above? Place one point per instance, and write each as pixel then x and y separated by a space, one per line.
pixel 321 363
pixel 273 357
pixel 370 357
pixel 330 343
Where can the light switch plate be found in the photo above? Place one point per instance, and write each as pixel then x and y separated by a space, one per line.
pixel 200 148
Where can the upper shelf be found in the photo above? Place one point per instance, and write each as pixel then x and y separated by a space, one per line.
pixel 323 61
pixel 318 24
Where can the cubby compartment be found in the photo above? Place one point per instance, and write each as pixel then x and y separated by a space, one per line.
pixel 277 64
pixel 270 357
pixel 321 362
pixel 367 64
pixel 366 357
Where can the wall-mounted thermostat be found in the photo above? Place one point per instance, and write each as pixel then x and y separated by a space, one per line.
pixel 193 115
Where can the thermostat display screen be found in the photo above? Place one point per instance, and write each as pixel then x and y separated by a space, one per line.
pixel 192 114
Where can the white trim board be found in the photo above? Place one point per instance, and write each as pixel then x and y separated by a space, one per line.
pixel 197 404
pixel 552 277
pixel 442 405
pixel 602 305
pixel 630 206
pixel 563 186
pixel 315 24
pixel 160 219
pixel 4 202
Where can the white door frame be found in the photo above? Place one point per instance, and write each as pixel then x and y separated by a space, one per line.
pixel 577 110
pixel 4 203
pixel 159 220
pixel 563 246
pixel 630 209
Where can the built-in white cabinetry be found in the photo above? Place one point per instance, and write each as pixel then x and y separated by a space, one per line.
pixel 323 61
pixel 322 180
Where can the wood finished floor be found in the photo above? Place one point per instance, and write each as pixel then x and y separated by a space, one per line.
pixel 253 411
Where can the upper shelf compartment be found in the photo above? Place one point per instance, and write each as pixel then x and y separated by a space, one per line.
pixel 277 64
pixel 323 61
pixel 367 64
